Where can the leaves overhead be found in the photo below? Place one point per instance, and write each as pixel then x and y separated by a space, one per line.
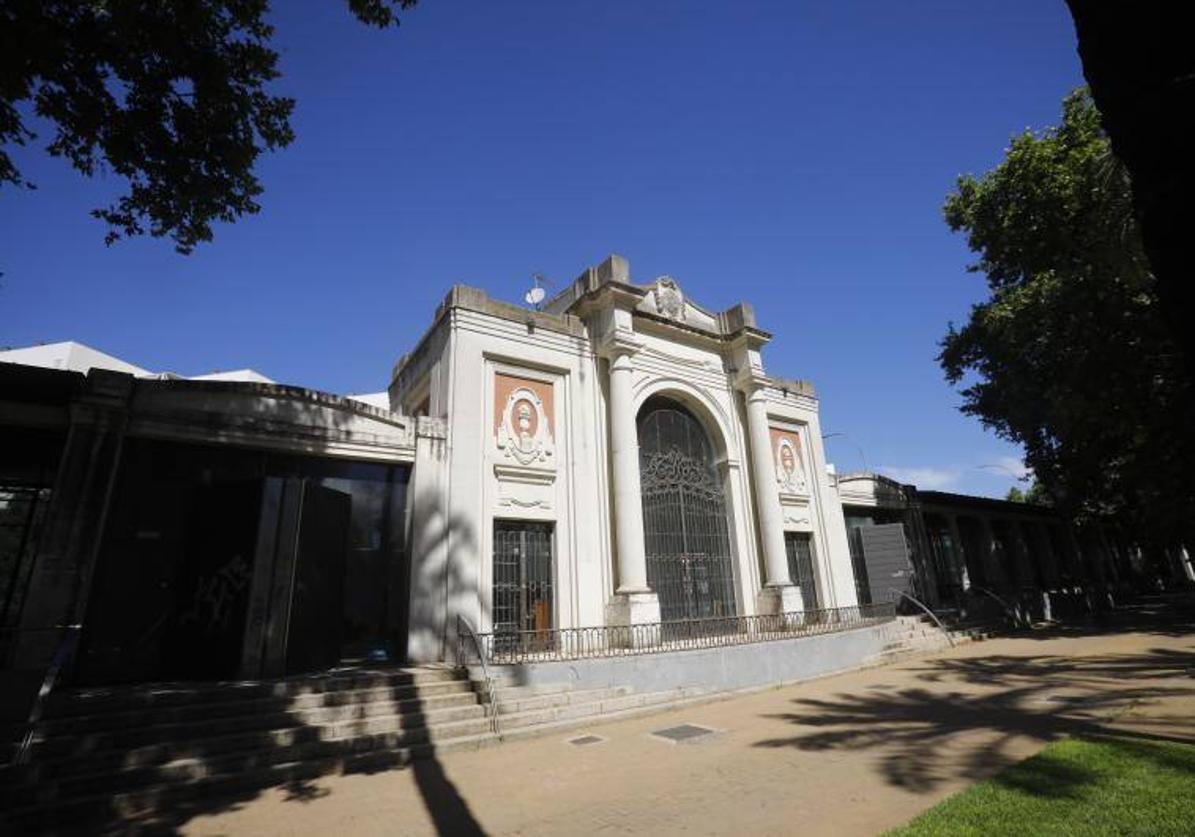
pixel 170 95
pixel 380 13
pixel 1068 356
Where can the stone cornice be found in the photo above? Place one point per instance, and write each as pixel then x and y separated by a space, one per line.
pixel 619 342
pixel 465 298
pixel 279 392
pixel 617 295
pixel 754 338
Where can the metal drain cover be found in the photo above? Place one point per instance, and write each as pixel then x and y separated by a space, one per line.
pixel 582 740
pixel 684 732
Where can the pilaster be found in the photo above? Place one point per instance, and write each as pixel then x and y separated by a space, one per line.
pixel 778 590
pixel 634 602
pixel 429 631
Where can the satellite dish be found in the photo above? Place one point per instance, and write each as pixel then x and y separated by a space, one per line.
pixel 534 296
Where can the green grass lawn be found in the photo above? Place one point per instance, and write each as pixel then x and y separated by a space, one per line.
pixel 1077 786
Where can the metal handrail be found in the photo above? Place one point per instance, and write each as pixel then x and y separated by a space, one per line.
pixel 463 628
pixel 932 615
pixel 1009 611
pixel 62 655
pixel 599 641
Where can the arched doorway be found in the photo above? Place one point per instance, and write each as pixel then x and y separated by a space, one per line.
pixel 684 515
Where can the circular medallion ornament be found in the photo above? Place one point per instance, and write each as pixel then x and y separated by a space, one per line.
pixel 790 473
pixel 523 432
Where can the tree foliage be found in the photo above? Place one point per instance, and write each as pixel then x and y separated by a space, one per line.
pixel 171 95
pixel 1034 495
pixel 1069 356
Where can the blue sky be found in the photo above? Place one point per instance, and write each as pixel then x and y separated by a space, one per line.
pixel 795 155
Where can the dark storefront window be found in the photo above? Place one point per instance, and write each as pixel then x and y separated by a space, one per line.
pixel 28 465
pixel 375 566
pixel 226 562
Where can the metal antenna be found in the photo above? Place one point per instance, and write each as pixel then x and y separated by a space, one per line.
pixel 535 296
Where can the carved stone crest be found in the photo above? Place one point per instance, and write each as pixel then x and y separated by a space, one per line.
pixel 523 433
pixel 790 473
pixel 670 301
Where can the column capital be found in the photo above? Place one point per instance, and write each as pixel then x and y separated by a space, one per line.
pixel 620 343
pixel 751 381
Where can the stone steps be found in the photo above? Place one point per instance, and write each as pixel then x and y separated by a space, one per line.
pixel 168 751
pixel 175 747
pixel 97 743
pixel 92 731
pixel 139 791
pixel 132 757
pixel 161 696
pixel 915 636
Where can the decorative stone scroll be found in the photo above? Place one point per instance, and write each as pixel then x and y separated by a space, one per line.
pixel 669 299
pixel 796 517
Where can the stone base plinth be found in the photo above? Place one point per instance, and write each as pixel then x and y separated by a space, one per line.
pixel 781 599
pixel 633 619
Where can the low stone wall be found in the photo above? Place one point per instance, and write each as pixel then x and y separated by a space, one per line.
pixel 716 669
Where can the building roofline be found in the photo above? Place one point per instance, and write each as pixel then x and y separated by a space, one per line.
pixel 947 498
pixel 468 298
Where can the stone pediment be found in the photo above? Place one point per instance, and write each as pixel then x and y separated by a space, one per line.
pixel 608 286
pixel 666 299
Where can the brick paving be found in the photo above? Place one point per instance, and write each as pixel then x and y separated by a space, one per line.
pixel 851 754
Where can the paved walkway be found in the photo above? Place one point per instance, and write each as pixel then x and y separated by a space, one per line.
pixel 851 754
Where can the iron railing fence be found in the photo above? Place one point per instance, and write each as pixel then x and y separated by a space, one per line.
pixel 504 648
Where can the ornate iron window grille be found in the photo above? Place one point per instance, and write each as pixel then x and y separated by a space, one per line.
pixel 684 518
pixel 523 580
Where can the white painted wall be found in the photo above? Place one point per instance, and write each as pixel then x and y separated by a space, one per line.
pixel 455 369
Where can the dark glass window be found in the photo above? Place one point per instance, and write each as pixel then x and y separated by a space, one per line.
pixel 800 567
pixel 199 537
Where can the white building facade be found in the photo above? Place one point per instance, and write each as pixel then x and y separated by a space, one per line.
pixel 615 471
pixel 620 457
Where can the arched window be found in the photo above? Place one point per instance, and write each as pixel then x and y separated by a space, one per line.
pixel 684 515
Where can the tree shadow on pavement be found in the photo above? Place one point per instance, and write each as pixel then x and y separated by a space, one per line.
pixel 1022 669
pixel 925 735
pixel 447 808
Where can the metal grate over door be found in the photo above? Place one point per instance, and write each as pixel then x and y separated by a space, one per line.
pixel 885 550
pixel 800 567
pixel 684 516
pixel 522 592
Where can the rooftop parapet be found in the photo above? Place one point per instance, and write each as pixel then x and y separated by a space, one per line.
pixel 614 273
